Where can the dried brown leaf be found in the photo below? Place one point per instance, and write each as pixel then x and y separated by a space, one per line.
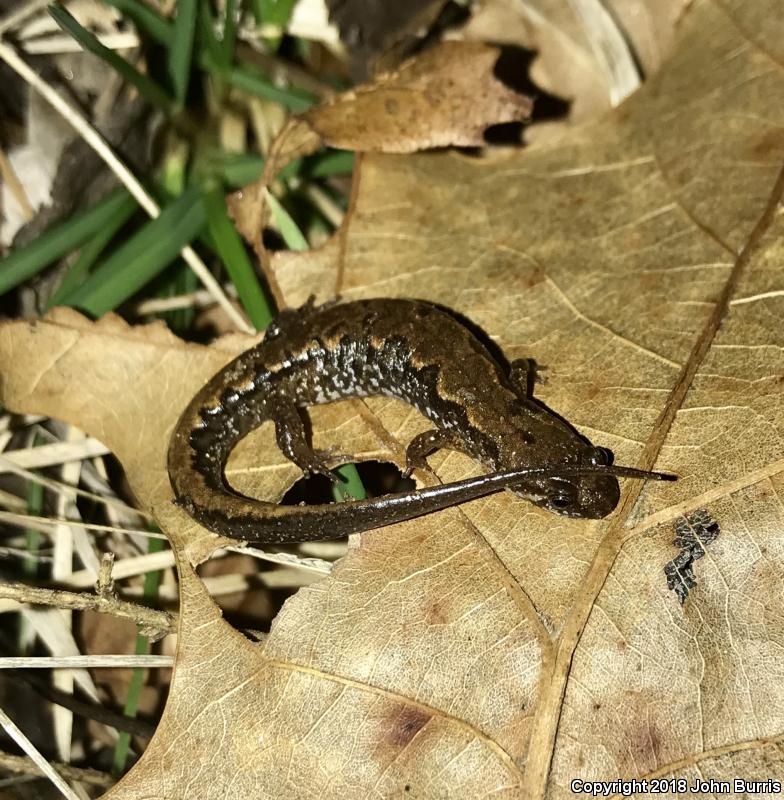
pixel 494 650
pixel 447 95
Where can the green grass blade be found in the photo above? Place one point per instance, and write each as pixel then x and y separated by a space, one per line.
pixel 90 253
pixel 181 49
pixel 209 51
pixel 142 257
pixel 239 169
pixel 292 235
pixel 257 9
pixel 352 487
pixel 232 252
pixel 229 32
pixel 146 20
pixel 182 281
pixel 255 83
pixel 145 86
pixel 273 14
pixel 216 55
pixel 34 540
pixel 60 239
pixel 326 165
pixel 122 747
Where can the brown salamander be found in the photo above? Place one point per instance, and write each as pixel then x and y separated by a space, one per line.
pixel 406 349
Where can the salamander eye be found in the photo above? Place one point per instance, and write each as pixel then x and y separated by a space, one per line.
pixel 563 496
pixel 600 457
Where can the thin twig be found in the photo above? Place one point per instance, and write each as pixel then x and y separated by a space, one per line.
pixel 8 174
pixel 67 489
pixel 293 74
pixel 112 719
pixel 21 552
pixel 288 559
pixel 155 305
pixel 25 766
pixel 152 622
pixel 15 17
pixel 50 455
pixel 104 587
pixel 127 568
pixel 85 662
pixel 31 750
pixel 45 524
pixel 57 45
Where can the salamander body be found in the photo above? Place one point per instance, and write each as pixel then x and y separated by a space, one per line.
pixel 407 349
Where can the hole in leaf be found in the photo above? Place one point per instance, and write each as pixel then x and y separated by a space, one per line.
pixel 251 591
pixel 378 477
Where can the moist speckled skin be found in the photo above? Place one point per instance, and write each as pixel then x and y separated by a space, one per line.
pixel 406 349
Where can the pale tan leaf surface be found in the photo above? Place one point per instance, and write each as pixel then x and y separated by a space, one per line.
pixel 651 26
pixel 495 650
pixel 617 279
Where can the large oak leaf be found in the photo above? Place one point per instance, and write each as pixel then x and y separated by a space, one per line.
pixel 495 650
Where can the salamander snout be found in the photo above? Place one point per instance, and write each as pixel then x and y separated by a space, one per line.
pixel 583 496
pixel 591 495
pixel 580 496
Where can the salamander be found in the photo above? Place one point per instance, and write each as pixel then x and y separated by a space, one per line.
pixel 408 349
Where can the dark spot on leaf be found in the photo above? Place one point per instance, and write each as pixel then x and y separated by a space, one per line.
pixel 404 725
pixel 435 614
pixel 693 534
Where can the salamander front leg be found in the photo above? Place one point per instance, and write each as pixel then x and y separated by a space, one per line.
pixel 423 444
pixel 291 439
pixel 288 320
pixel 524 373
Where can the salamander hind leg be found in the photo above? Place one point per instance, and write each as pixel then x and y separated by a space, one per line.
pixel 291 439
pixel 423 444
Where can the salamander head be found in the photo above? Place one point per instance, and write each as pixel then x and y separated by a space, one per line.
pixel 570 493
